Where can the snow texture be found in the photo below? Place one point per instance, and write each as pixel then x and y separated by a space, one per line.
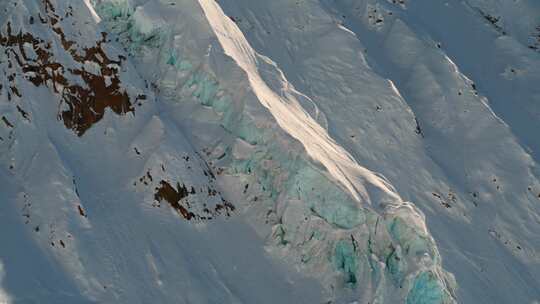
pixel 246 151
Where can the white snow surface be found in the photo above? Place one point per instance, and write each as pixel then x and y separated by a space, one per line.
pixel 375 151
pixel 288 112
pixel 92 11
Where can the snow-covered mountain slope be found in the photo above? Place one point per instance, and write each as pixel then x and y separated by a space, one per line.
pixel 245 151
pixel 86 196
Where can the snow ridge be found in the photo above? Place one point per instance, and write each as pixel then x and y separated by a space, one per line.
pixel 289 113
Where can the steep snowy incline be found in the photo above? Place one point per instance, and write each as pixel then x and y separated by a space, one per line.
pixel 251 151
pixel 503 60
pixel 104 200
pixel 431 130
pixel 290 115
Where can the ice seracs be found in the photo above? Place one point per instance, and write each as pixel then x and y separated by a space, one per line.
pixel 271 151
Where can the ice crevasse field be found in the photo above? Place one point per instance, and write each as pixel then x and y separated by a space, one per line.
pixel 249 151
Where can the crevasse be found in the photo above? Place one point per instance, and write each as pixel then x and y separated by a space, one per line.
pixel 325 222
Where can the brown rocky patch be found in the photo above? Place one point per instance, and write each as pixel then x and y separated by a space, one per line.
pixel 173 196
pixel 83 105
pixel 176 197
pixel 6 122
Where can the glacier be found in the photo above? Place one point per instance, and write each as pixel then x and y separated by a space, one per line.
pixel 235 151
